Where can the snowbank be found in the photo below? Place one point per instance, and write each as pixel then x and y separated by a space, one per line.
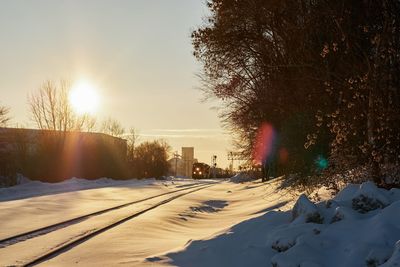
pixel 359 227
pixel 28 188
pixel 241 177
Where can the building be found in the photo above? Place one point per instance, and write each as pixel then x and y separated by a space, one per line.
pixel 188 160
pixel 183 166
pixel 55 155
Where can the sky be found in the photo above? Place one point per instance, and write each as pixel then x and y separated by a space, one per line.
pixel 137 54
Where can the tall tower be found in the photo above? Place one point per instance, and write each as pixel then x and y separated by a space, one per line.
pixel 188 160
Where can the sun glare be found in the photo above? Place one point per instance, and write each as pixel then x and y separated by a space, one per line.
pixel 84 98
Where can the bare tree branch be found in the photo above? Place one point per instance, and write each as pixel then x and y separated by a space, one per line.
pixel 4 116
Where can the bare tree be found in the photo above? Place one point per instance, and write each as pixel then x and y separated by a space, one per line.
pixel 166 146
pixel 132 139
pixel 51 110
pixel 4 116
pixel 112 127
pixel 67 119
pixel 86 123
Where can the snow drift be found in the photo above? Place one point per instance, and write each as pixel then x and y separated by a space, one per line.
pixel 359 227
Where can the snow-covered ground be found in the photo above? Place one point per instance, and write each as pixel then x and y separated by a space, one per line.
pixel 36 204
pixel 359 227
pixel 28 188
pixel 236 222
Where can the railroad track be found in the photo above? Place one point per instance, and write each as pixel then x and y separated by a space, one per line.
pixel 8 241
pixel 78 239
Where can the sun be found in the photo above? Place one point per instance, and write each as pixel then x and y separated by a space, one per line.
pixel 84 98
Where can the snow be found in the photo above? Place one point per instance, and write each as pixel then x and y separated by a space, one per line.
pixel 43 204
pixel 200 215
pixel 233 223
pixel 305 211
pixel 354 231
pixel 139 241
pixel 395 258
pixel 28 188
pixel 241 177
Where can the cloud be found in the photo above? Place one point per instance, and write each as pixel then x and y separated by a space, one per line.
pixel 187 130
pixel 185 133
pixel 219 136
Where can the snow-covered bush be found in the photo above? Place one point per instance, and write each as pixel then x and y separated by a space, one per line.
pixel 289 239
pixel 242 177
pixel 6 181
pixel 305 210
pixel 369 198
pixel 359 227
pixel 364 204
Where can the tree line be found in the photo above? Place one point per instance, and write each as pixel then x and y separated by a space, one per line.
pixel 51 160
pixel 323 73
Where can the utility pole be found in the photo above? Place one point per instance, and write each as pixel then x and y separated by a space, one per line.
pixel 214 164
pixel 232 156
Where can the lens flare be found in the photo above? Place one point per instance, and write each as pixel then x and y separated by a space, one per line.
pixel 265 144
pixel 321 162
